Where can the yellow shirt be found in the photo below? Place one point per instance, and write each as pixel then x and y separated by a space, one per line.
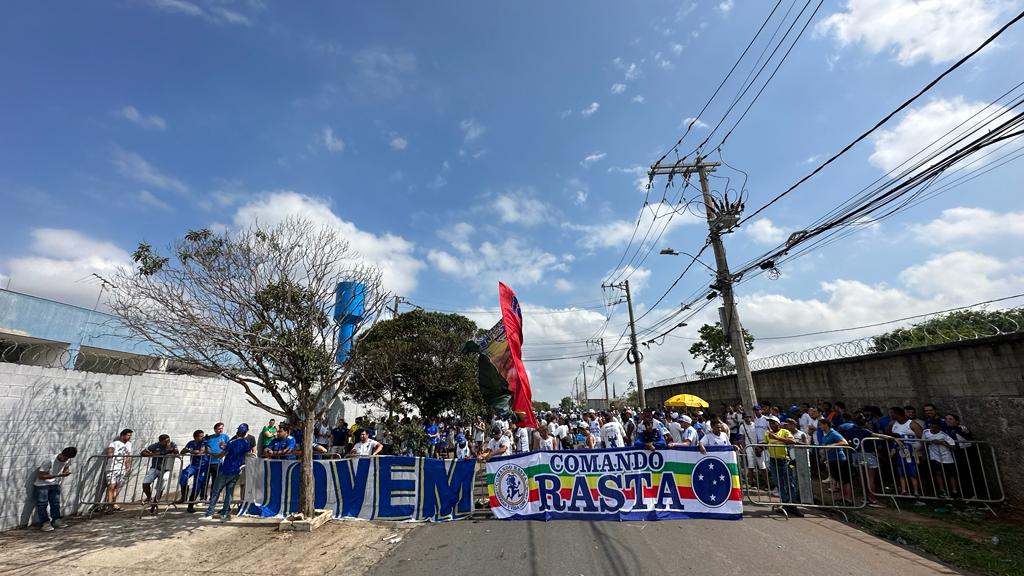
pixel 780 451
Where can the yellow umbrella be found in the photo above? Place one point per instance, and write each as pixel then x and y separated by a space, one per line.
pixel 686 401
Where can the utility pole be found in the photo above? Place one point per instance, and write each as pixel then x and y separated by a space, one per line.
pixel 716 223
pixel 394 306
pixel 604 365
pixel 636 358
pixel 586 395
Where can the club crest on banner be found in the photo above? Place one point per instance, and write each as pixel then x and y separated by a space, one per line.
pixel 512 487
pixel 712 482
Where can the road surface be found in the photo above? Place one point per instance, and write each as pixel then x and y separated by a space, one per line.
pixel 761 544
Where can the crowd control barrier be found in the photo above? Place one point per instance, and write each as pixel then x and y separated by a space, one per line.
pixel 916 469
pixel 780 476
pixel 108 483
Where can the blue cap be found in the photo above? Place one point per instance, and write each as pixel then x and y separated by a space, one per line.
pixel 757 406
pixel 243 428
pixel 794 408
pixel 460 437
pixel 846 426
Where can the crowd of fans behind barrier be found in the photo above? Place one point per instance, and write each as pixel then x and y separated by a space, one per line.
pixel 909 447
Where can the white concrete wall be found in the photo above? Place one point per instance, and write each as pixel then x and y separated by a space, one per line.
pixel 42 410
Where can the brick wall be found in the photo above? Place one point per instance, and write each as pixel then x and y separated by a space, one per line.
pixel 981 380
pixel 43 410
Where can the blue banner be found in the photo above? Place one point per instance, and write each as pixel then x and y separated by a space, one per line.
pixel 400 488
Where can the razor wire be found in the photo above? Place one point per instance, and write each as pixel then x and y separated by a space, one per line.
pixel 995 323
pixel 49 355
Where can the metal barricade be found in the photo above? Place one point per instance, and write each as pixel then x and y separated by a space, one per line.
pixel 110 483
pixel 786 476
pixel 919 470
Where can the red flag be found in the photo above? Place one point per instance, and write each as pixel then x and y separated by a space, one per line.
pixel 518 381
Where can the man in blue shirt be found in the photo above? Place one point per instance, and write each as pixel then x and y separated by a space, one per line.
pixel 197 468
pixel 282 447
pixel 232 455
pixel 651 434
pixel 213 443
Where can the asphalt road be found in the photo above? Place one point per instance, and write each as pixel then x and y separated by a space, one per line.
pixel 760 544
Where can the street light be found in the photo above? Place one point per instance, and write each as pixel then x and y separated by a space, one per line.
pixel 671 252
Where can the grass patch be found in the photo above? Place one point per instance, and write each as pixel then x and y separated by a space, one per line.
pixel 966 538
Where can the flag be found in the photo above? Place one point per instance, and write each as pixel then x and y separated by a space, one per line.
pixel 515 371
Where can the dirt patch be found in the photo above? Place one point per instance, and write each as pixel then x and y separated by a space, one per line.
pixel 178 543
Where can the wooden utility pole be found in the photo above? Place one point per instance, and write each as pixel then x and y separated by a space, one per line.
pixel 394 306
pixel 717 222
pixel 586 393
pixel 633 355
pixel 604 365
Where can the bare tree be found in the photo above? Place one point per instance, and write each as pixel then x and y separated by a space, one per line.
pixel 256 307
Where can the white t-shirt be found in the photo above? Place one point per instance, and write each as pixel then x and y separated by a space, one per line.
pixel 546 443
pixel 494 445
pixel 478 432
pixel 365 448
pixel 690 434
pixel 808 425
pixel 719 439
pixel 761 427
pixel 53 468
pixel 595 428
pixel 675 429
pixel 522 439
pixel 120 449
pixel 749 432
pixel 939 452
pixel 462 452
pixel 613 435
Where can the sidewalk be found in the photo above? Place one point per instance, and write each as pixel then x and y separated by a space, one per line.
pixel 179 543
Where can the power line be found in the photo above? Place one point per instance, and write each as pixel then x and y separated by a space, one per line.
pixel 887 117
pixel 875 325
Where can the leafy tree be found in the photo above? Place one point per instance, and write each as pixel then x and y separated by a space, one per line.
pixel 255 306
pixel 714 349
pixel 540 406
pixel 951 327
pixel 565 404
pixel 416 360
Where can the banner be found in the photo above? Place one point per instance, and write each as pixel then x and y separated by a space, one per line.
pixel 515 371
pixel 401 488
pixel 616 484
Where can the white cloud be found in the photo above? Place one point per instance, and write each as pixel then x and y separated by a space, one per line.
pixel 617 233
pixel 632 72
pixel 131 165
pixel 215 14
pixel 592 159
pixel 398 143
pixel 959 225
pixel 677 48
pixel 509 261
pixel 763 231
pixel 393 254
pixel 638 172
pixel 471 129
pixel 381 72
pixel 149 122
pixel 61 264
pixel 638 99
pixel 578 190
pixel 924 129
pixel 697 123
pixel 563 285
pixel 458 236
pixel 936 30
pixel 725 6
pixel 519 207
pixel 590 110
pixel 618 88
pixel 147 198
pixel 331 142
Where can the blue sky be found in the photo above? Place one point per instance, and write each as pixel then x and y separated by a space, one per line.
pixel 460 143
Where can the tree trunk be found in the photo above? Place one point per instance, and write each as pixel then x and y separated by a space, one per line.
pixel 306 482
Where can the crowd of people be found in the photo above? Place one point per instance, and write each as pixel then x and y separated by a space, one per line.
pixel 902 452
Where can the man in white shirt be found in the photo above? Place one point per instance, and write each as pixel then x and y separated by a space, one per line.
pixel 809 422
pixel 366 445
pixel 119 465
pixel 675 429
pixel 613 435
pixel 46 488
pixel 498 445
pixel 940 455
pixel 760 423
pixel 522 438
pixel 717 435
pixel 688 434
